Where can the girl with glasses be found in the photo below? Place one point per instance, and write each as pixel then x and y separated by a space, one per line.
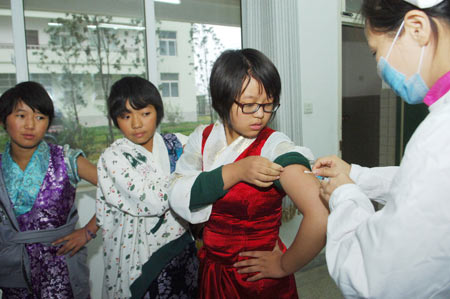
pixel 233 175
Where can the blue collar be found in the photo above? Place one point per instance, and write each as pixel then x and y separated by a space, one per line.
pixel 23 186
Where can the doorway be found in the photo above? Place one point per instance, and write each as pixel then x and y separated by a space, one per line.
pixel 361 88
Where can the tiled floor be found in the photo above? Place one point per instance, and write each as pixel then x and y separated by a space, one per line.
pixel 314 282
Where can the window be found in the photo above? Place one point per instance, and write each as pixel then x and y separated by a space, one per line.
pixel 62 39
pixel 6 82
pixel 169 85
pixel 167 43
pixel 32 37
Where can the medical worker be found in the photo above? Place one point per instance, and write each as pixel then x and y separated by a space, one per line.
pixel 403 250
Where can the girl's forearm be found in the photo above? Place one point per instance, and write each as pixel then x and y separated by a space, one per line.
pixel 92 225
pixel 230 175
pixel 303 189
pixel 307 244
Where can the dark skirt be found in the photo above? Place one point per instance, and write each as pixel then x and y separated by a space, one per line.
pixel 178 279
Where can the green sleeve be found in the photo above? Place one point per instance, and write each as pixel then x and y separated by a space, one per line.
pixel 289 159
pixel 207 188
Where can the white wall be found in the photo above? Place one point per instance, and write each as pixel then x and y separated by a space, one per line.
pixel 320 50
pixel 182 64
pixel 85 202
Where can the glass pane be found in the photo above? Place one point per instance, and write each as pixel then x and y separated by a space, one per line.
pixel 197 32
pixel 174 89
pixel 163 48
pixel 169 76
pixel 7 58
pixel 168 34
pixel 353 6
pixel 172 49
pixel 165 91
pixel 82 50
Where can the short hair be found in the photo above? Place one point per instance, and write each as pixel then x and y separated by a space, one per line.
pixel 386 16
pixel 30 93
pixel 139 92
pixel 232 69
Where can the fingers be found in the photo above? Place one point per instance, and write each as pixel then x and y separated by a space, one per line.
pixel 246 270
pixel 322 193
pixel 59 241
pixel 253 253
pixel 262 184
pixel 323 162
pixel 256 277
pixel 326 172
pixel 65 248
pixel 276 248
pixel 75 250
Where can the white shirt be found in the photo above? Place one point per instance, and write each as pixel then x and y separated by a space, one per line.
pixel 403 250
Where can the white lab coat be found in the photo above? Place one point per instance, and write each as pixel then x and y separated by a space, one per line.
pixel 403 250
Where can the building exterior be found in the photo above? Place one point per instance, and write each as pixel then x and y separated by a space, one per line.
pixel 58 59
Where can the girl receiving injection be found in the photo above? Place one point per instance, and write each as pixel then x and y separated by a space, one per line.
pixel 233 175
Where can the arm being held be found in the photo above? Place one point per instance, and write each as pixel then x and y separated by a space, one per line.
pixel 303 189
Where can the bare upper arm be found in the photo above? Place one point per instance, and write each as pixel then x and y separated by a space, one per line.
pixel 303 189
pixel 87 170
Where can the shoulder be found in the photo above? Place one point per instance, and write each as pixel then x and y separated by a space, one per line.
pixel 115 150
pixel 279 144
pixel 200 129
pixel 197 134
pixel 182 138
pixel 58 149
pixel 279 136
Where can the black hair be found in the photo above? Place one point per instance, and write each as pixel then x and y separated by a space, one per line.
pixel 139 92
pixel 30 93
pixel 230 72
pixel 387 15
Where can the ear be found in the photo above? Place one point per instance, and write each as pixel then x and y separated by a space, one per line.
pixel 418 26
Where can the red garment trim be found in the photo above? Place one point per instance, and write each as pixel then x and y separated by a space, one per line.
pixel 205 136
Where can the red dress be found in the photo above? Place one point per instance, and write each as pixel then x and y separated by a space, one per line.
pixel 246 218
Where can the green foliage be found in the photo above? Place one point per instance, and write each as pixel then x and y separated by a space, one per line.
pixel 80 43
pixel 206 47
pixel 172 113
pixel 185 128
pixel 93 140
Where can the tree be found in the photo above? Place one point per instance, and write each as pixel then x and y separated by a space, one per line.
pixel 206 47
pixel 62 57
pixel 82 44
pixel 107 49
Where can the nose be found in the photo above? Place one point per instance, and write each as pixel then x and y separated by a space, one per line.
pixel 259 113
pixel 29 122
pixel 136 122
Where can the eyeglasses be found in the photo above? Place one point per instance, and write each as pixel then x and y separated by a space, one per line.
pixel 253 107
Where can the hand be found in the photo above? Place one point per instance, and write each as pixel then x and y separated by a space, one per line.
pixel 73 242
pixel 335 179
pixel 331 162
pixel 267 263
pixel 258 171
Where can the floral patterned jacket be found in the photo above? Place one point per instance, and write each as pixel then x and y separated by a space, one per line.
pixel 132 209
